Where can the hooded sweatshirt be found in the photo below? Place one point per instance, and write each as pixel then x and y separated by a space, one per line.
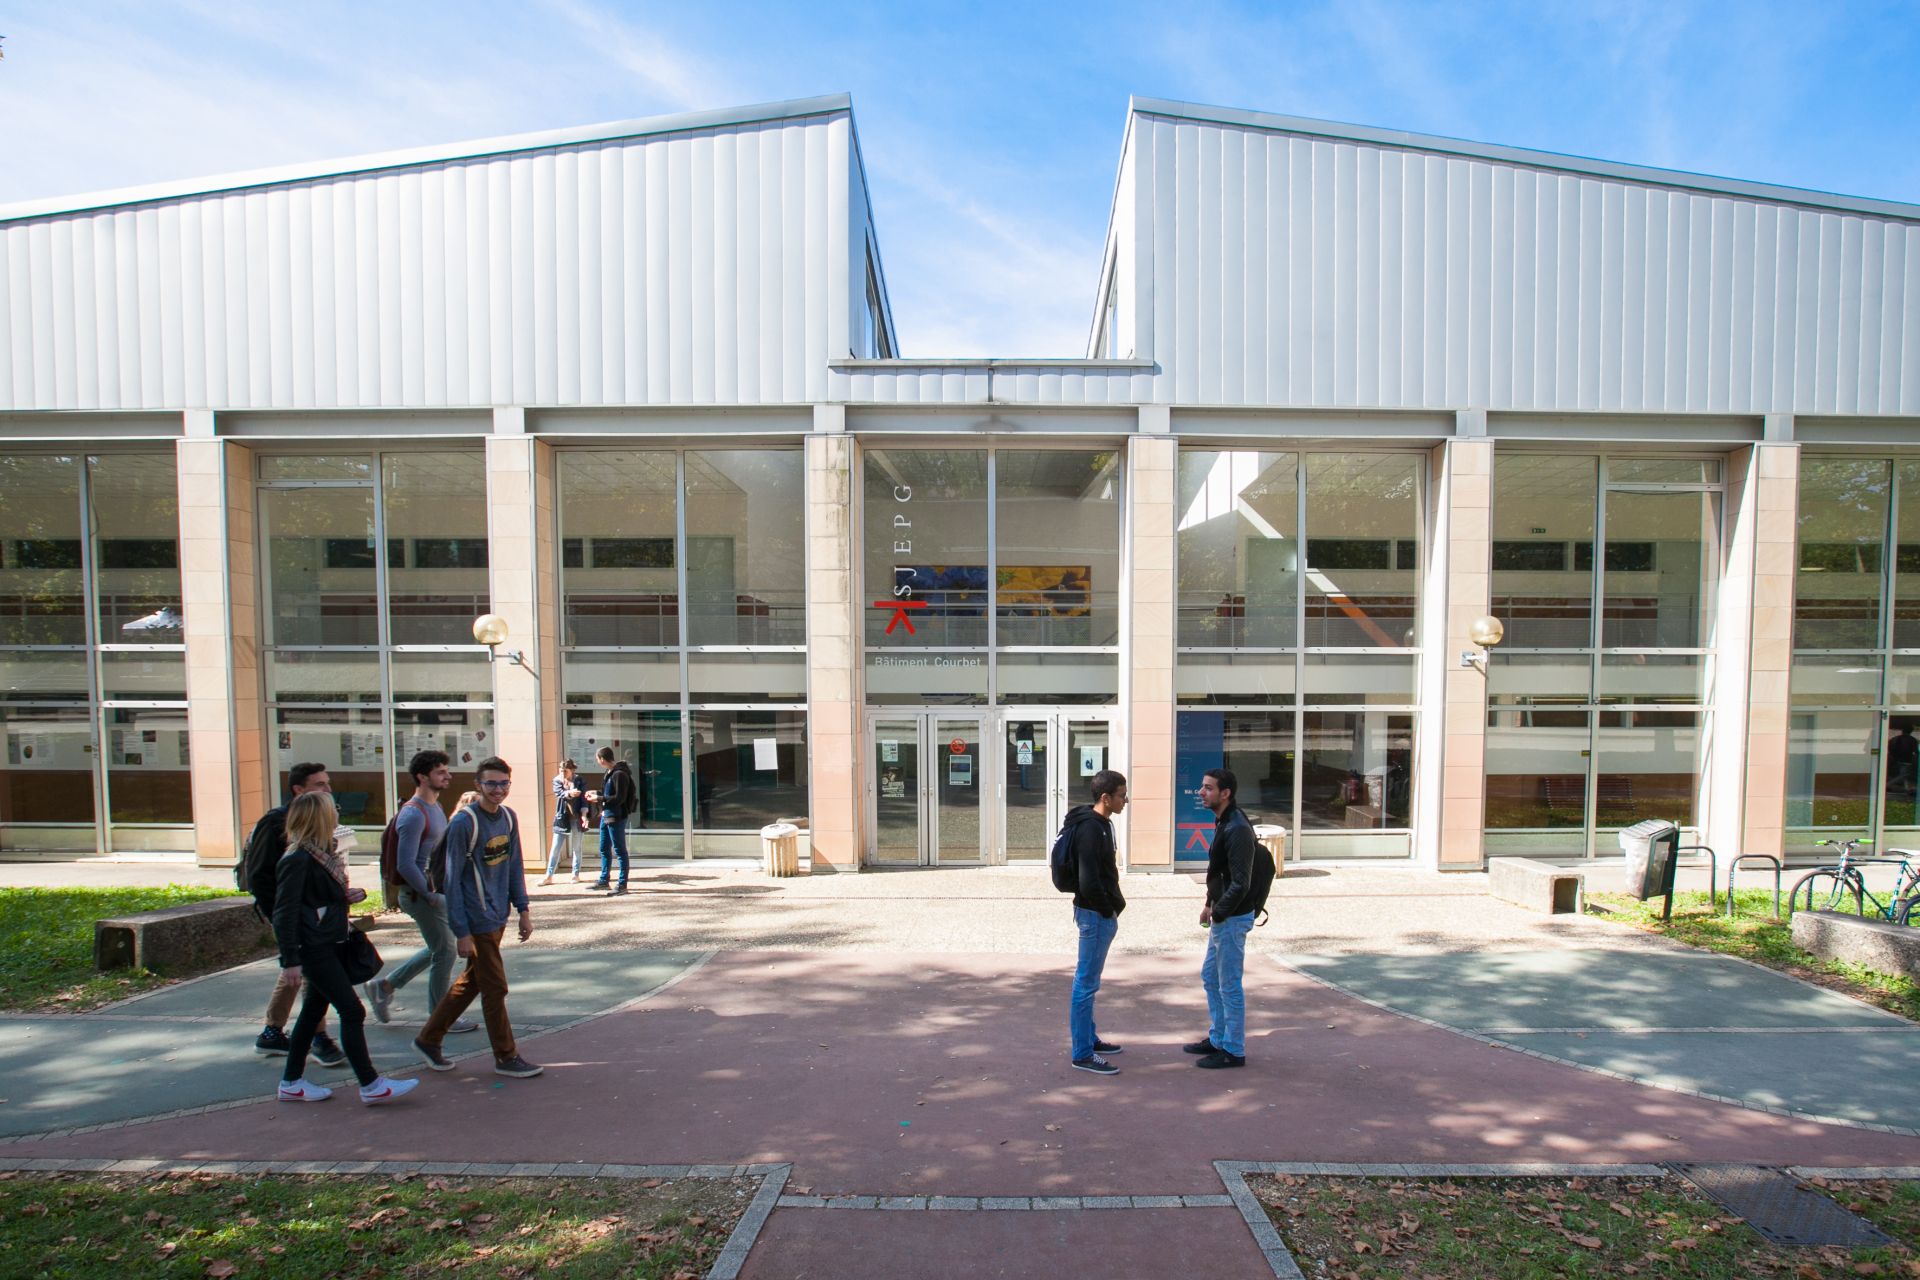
pixel 617 795
pixel 1099 869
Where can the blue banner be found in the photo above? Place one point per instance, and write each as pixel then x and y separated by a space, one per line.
pixel 1200 742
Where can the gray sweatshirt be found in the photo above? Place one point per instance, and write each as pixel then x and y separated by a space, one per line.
pixel 486 879
pixel 420 828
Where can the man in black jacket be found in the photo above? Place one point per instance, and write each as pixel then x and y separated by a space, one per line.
pixel 1239 874
pixel 616 798
pixel 264 847
pixel 1097 904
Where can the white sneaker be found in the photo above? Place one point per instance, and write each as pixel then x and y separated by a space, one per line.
pixel 383 1090
pixel 301 1091
pixel 462 1026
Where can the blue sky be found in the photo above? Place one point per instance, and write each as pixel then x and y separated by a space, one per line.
pixel 990 130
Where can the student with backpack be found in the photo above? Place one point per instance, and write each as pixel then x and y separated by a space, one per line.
pixel 1240 873
pixel 1084 864
pixel 256 873
pixel 410 855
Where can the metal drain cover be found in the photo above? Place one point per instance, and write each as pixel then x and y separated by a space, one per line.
pixel 1781 1207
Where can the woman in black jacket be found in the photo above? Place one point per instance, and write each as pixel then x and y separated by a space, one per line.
pixel 310 920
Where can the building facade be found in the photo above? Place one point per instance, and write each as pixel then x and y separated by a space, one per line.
pixel 270 444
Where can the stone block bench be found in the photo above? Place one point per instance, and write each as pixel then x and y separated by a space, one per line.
pixel 196 935
pixel 1538 886
pixel 1869 943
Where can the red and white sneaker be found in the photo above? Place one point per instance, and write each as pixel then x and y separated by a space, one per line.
pixel 383 1090
pixel 301 1091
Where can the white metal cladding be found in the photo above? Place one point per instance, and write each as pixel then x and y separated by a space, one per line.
pixel 1282 269
pixel 704 267
pixel 932 382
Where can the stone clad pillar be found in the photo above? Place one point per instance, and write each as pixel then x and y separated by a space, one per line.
pixel 1465 501
pixel 226 727
pixel 834 686
pixel 1147 646
pixel 1771 501
pixel 520 580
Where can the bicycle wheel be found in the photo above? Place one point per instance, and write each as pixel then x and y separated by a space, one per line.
pixel 1907 911
pixel 1827 890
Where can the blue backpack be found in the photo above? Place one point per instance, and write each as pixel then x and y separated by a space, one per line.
pixel 1060 860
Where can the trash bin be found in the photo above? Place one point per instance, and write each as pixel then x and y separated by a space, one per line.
pixel 1275 840
pixel 780 847
pixel 1652 848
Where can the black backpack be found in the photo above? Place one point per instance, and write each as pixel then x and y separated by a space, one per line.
pixel 1060 860
pixel 254 872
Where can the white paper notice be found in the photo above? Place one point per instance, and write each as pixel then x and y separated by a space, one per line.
pixel 1092 759
pixel 765 756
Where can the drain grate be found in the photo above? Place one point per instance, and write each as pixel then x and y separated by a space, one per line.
pixel 1781 1207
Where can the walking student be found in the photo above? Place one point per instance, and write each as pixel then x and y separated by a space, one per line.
pixel 569 818
pixel 486 881
pixel 420 830
pixel 616 798
pixel 310 923
pixel 265 845
pixel 1239 876
pixel 1097 904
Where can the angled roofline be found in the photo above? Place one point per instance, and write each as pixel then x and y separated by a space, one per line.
pixel 1519 155
pixel 684 122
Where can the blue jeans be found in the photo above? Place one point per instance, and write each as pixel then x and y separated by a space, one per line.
pixel 568 839
pixel 437 956
pixel 1096 935
pixel 613 840
pixel 1220 975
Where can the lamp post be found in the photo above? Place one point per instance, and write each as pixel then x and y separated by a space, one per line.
pixel 491 630
pixel 1486 633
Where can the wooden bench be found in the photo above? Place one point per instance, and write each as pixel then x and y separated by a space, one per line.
pixel 1537 886
pixel 196 935
pixel 1870 943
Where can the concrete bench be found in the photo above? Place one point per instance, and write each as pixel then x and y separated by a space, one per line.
pixel 1871 944
pixel 1537 886
pixel 196 935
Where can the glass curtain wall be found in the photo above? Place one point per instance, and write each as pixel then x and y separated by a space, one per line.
pixel 373 568
pixel 1298 588
pixel 92 654
pixel 1596 698
pixel 1855 690
pixel 684 628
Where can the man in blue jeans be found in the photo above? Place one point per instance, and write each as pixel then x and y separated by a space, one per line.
pixel 616 798
pixel 1239 874
pixel 1097 904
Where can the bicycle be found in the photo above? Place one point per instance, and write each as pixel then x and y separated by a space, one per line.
pixel 1826 888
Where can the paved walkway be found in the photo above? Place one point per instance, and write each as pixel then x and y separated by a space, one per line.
pixel 880 1070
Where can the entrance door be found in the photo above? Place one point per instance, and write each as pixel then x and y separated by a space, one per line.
pixel 926 777
pixel 1050 758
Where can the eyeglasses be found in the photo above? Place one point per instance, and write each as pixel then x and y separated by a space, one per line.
pixel 496 784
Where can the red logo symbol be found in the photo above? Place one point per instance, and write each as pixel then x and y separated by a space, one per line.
pixel 1199 834
pixel 958 746
pixel 900 608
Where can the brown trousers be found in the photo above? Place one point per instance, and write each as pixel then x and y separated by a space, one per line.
pixel 485 976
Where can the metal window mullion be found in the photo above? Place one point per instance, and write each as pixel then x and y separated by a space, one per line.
pixel 383 602
pixel 1596 639
pixel 993 575
pixel 689 812
pixel 90 591
pixel 1299 639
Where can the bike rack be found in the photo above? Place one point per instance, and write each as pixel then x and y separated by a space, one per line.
pixel 1713 872
pixel 1779 866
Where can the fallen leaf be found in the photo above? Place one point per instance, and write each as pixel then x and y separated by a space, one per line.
pixel 1587 1242
pixel 221 1267
pixel 1053 1128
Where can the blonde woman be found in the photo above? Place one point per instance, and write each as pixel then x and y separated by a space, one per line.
pixel 310 921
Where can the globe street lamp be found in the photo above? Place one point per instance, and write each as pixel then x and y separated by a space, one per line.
pixel 491 630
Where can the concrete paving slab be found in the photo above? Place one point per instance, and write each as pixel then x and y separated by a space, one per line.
pixel 1545 990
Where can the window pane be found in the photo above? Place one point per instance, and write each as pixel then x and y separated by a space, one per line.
pixel 1079 679
pixel 1903 680
pixel 1356 771
pixel 748 677
pixel 624 589
pixel 441 677
pixel 926 547
pixel 466 735
pixel 308 467
pixel 1660 596
pixel 746 547
pixel 320 575
pixel 1906 561
pixel 1239 549
pixel 1835 679
pixel 1358 507
pixel 1358 677
pixel 947 679
pixel 750 768
pixel 1648 766
pixel 1536 766
pixel 1663 471
pixel 1533 679
pixel 48 774
pixel 1543 510
pixel 649 741
pixel 1234 678
pixel 136 520
pixel 616 678
pixel 42 595
pixel 143 677
pixel 56 676
pixel 436 515
pixel 351 742
pixel 312 676
pixel 1842 525
pixel 1900 770
pixel 148 767
pixel 1057 525
pixel 1661 678
pixel 1831 763
pixel 1256 745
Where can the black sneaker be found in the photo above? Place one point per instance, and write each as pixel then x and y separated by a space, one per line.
pixel 1105 1046
pixel 621 892
pixel 431 1055
pixel 1220 1059
pixel 1095 1063
pixel 599 884
pixel 327 1053
pixel 516 1066
pixel 272 1043
pixel 1201 1046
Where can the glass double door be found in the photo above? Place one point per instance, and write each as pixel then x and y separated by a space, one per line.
pixel 975 788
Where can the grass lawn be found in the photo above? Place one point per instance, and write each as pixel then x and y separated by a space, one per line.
pixel 1753 934
pixel 1522 1229
pixel 46 944
pixel 210 1225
